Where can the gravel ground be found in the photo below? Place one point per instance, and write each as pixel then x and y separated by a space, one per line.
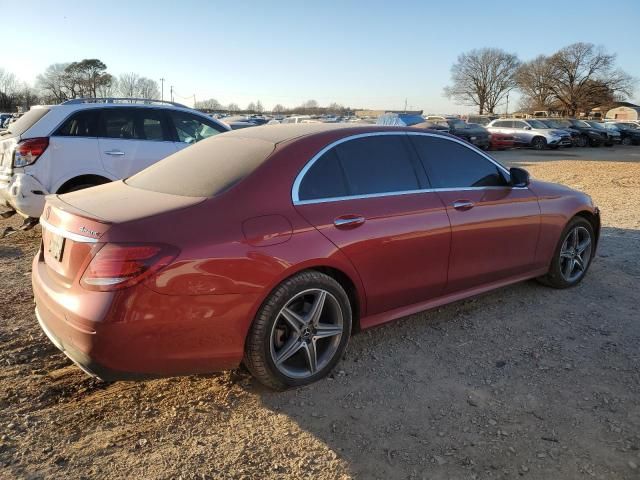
pixel 525 381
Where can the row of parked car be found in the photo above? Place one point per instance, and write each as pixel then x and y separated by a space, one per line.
pixel 539 133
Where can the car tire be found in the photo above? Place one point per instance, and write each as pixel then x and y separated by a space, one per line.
pixel 286 323
pixel 538 143
pixel 573 255
pixel 583 141
pixel 626 141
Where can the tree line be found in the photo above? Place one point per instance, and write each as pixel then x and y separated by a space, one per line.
pixel 310 107
pixel 59 82
pixel 575 79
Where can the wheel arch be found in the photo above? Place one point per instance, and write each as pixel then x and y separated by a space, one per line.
pixel 82 179
pixel 593 219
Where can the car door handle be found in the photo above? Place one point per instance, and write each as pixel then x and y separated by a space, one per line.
pixel 115 153
pixel 463 205
pixel 346 221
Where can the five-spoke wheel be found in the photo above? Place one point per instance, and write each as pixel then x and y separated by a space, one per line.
pixel 573 254
pixel 300 332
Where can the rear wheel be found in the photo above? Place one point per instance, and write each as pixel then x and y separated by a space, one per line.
pixel 573 255
pixel 538 143
pixel 626 141
pixel 300 332
pixel 583 141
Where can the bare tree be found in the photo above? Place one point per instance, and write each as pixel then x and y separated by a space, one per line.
pixel 53 84
pixel 251 107
pixel 277 108
pixel 483 78
pixel 259 107
pixel 128 84
pixel 209 104
pixel 580 73
pixel 148 88
pixel 233 107
pixel 533 79
pixel 8 90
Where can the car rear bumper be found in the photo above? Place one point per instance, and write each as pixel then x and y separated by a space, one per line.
pixel 23 193
pixel 139 333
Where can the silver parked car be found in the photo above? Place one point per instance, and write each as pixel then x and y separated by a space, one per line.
pixel 531 133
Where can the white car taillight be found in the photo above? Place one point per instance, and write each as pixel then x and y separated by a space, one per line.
pixel 28 151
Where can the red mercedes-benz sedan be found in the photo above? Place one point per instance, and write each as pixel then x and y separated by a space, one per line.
pixel 271 245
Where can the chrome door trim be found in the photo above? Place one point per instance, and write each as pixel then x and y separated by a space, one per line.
pixel 296 184
pixel 64 233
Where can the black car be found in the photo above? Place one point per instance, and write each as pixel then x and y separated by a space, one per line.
pixel 613 136
pixel 471 132
pixel 588 135
pixel 561 125
pixel 629 133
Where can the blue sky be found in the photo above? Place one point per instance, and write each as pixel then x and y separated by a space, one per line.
pixel 359 53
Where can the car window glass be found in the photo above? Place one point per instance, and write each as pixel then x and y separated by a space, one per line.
pixel 452 165
pixel 377 164
pixel 152 127
pixel 81 124
pixel 519 125
pixel 119 123
pixel 190 128
pixel 324 179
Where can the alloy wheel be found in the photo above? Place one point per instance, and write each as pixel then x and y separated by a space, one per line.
pixel 575 254
pixel 306 334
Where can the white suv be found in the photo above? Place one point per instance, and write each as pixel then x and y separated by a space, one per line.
pixel 87 142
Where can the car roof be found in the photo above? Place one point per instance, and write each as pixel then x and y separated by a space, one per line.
pixel 285 132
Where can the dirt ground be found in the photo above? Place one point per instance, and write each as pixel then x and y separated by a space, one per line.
pixel 522 382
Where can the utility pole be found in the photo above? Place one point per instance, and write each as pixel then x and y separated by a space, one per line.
pixel 405 105
pixel 507 112
pixel 162 88
pixel 172 93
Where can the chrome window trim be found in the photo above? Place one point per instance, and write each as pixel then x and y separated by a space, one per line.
pixel 70 235
pixel 296 184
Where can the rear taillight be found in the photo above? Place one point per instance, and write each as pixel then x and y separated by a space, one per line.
pixel 28 151
pixel 121 265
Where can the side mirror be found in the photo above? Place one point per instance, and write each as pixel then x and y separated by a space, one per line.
pixel 519 177
pixel 527 127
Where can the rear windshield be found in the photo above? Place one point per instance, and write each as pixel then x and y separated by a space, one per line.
pixel 26 121
pixel 205 169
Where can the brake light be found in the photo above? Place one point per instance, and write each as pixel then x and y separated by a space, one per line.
pixel 118 266
pixel 28 151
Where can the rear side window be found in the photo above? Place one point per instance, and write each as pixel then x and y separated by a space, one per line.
pixel 452 165
pixel 503 124
pixel 152 124
pixel 191 128
pixel 80 124
pixel 119 123
pixel 377 164
pixel 324 179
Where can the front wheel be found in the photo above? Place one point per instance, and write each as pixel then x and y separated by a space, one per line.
pixel 583 141
pixel 538 143
pixel 626 141
pixel 573 255
pixel 300 332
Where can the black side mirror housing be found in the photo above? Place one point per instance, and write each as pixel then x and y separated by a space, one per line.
pixel 519 177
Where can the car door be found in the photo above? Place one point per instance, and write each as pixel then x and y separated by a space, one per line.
pixel 522 132
pixel 132 139
pixel 494 226
pixel 189 129
pixel 74 149
pixel 369 196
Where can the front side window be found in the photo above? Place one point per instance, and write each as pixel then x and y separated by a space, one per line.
pixel 452 165
pixel 80 124
pixel 520 125
pixel 190 128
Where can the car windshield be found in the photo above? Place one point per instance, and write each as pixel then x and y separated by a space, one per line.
pixel 536 124
pixel 580 123
pixel 554 124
